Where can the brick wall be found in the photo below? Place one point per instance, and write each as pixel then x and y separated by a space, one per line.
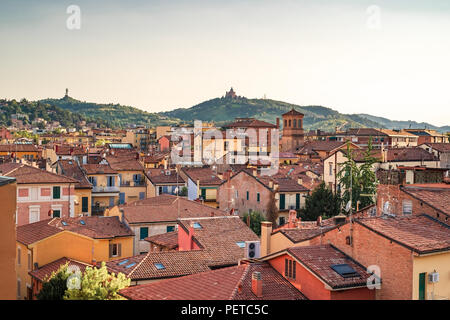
pixel 369 248
pixel 396 196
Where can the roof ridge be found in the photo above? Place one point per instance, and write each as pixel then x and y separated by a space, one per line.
pixel 138 264
pixel 241 280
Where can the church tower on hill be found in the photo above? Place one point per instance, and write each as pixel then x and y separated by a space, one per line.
pixel 230 94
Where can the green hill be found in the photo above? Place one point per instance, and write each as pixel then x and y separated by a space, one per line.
pixel 395 124
pixel 222 110
pixel 115 115
pixel 29 111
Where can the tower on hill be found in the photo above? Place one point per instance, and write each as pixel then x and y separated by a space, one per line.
pixel 230 94
pixel 293 134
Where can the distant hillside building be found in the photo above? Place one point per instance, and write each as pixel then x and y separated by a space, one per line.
pixel 230 94
pixel 293 134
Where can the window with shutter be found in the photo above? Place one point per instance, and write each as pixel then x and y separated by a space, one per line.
pixel 119 250
pixel 290 268
pixel 286 274
pixel 143 233
pixel 294 271
pixel 56 192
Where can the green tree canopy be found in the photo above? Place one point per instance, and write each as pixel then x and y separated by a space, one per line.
pixel 98 284
pixel 321 202
pixel 55 286
pixel 255 221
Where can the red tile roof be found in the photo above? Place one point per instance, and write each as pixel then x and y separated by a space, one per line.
pixel 435 195
pixel 72 169
pixel 232 283
pixel 160 176
pixel 320 259
pixel 98 169
pixel 219 237
pixel 176 264
pixel 250 123
pixel 165 208
pixel 205 175
pixel 293 112
pixel 25 174
pixel 168 240
pixel 124 164
pixel 422 234
pixel 441 147
pixel 94 227
pixel 18 148
pixel 45 271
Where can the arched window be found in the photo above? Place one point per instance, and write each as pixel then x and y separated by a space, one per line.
pixel 295 123
pixel 285 123
pixel 289 123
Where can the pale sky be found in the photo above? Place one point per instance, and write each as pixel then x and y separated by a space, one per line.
pixel 161 55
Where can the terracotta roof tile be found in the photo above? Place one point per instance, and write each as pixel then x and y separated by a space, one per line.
pixel 94 227
pixel 165 208
pixel 45 271
pixel 422 234
pixel 168 240
pixel 25 174
pixel 320 259
pixel 437 196
pixel 221 284
pixel 206 175
pixel 160 176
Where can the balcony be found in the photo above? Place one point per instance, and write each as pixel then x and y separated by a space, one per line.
pixel 140 183
pixel 103 189
pixel 97 210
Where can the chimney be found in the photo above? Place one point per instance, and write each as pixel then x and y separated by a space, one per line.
pixel 94 262
pixel 191 235
pixel 292 218
pixel 270 184
pixel 319 221
pixel 255 172
pixel 257 284
pixel 300 181
pixel 211 214
pixel 266 232
pixel 275 186
pixel 299 223
pixel 278 123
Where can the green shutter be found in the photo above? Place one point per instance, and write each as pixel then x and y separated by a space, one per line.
pixel 258 197
pixel 282 201
pixel 248 195
pixel 297 201
pixel 84 204
pixel 422 277
pixel 143 233
pixel 56 192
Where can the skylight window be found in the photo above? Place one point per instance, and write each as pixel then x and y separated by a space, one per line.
pixel 197 225
pixel 241 244
pixel 82 222
pixel 345 270
pixel 159 266
pixel 123 262
pixel 130 265
pixel 64 223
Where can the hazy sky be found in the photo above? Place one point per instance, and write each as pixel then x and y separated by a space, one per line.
pixel 161 55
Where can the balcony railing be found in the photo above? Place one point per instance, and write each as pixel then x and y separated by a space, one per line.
pixel 132 183
pixel 98 211
pixel 105 189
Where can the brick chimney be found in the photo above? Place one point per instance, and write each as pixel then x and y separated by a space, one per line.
pixel 292 218
pixel 266 232
pixel 278 123
pixel 191 235
pixel 300 181
pixel 257 284
pixel 319 221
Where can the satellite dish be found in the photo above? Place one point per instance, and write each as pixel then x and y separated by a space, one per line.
pixel 348 206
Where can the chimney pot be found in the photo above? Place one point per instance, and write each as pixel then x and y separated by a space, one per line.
pixel 319 221
pixel 257 284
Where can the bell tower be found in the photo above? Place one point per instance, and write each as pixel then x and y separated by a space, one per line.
pixel 293 134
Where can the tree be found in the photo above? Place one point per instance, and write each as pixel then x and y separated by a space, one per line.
pixel 359 182
pixel 98 284
pixel 255 221
pixel 55 286
pixel 272 210
pixel 322 202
